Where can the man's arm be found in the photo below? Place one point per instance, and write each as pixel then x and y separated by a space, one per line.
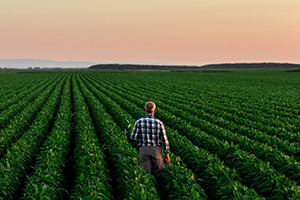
pixel 134 134
pixel 165 143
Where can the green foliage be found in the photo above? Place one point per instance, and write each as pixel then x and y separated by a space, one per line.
pixel 133 181
pixel 17 160
pixel 92 176
pixel 129 106
pixel 18 123
pixel 46 182
pixel 232 135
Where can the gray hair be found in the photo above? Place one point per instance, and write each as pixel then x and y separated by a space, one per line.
pixel 150 107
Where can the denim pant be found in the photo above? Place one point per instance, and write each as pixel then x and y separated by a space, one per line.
pixel 151 159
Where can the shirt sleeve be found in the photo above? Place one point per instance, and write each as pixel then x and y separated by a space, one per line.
pixel 165 139
pixel 135 132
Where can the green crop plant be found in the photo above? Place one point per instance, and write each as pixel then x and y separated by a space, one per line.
pixel 46 181
pixel 233 134
pixel 17 160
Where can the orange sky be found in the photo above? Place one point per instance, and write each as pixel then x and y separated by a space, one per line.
pixel 193 32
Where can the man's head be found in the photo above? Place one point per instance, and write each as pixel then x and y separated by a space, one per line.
pixel 150 107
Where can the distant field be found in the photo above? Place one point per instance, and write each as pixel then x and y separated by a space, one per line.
pixel 234 134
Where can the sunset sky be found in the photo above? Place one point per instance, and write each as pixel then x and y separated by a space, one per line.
pixel 188 32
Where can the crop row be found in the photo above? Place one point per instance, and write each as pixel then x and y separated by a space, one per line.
pixel 46 180
pixel 19 85
pixel 271 124
pixel 17 97
pixel 132 182
pixel 207 166
pixel 219 104
pixel 181 180
pixel 283 163
pixel 14 84
pixel 270 91
pixel 255 118
pixel 211 123
pixel 245 166
pixel 92 177
pixel 16 162
pixel 21 101
pixel 236 141
pixel 21 121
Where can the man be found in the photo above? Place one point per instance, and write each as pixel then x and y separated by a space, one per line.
pixel 150 134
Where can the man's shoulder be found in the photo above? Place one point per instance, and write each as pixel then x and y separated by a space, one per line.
pixel 149 118
pixel 156 119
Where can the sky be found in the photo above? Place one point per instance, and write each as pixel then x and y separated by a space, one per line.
pixel 181 32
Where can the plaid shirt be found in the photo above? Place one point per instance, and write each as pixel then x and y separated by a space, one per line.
pixel 150 131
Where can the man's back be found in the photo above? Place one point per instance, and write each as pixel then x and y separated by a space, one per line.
pixel 150 131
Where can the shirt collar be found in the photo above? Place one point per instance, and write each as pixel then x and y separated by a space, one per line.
pixel 149 115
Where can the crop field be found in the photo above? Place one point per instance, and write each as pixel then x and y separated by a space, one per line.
pixel 232 134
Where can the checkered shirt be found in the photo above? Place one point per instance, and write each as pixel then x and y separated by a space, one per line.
pixel 150 131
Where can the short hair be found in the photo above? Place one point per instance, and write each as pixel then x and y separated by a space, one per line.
pixel 150 106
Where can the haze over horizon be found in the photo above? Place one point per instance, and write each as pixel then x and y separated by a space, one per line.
pixel 32 63
pixel 194 32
